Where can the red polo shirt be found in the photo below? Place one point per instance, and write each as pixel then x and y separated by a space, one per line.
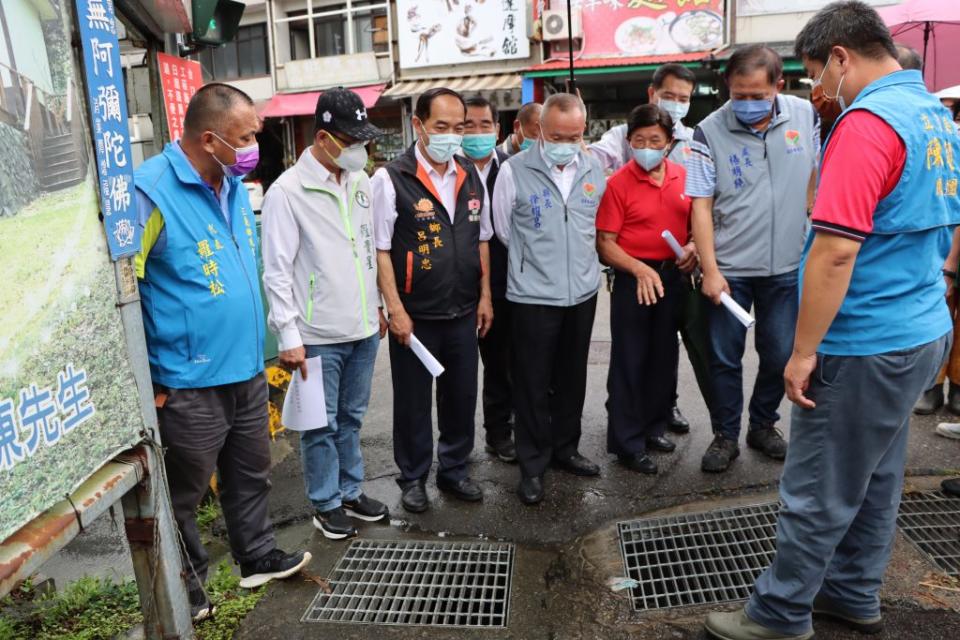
pixel 638 210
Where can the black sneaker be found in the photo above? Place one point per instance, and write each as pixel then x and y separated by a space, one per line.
pixel 768 440
pixel 334 524
pixel 366 509
pixel 719 455
pixel 276 565
pixel 503 450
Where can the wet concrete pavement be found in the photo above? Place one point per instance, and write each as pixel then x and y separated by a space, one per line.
pixel 566 546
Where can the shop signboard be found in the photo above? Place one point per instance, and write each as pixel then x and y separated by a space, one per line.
pixel 68 399
pixel 179 80
pixel 449 32
pixel 747 8
pixel 630 28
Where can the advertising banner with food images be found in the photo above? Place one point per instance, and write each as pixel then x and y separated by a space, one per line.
pixel 445 32
pixel 649 27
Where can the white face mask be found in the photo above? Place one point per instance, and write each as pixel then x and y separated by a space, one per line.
pixel 839 98
pixel 677 110
pixel 352 158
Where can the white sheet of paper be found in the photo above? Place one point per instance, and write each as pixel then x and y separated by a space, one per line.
pixel 304 406
pixel 739 312
pixel 432 364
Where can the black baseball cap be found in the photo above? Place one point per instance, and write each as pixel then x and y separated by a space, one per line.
pixel 341 111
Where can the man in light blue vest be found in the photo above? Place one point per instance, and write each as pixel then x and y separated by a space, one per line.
pixel 203 319
pixel 545 208
pixel 872 332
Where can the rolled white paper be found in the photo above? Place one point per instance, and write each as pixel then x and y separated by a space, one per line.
pixel 431 363
pixel 739 312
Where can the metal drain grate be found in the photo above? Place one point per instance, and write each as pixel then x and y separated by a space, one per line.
pixel 698 558
pixel 447 584
pixel 932 522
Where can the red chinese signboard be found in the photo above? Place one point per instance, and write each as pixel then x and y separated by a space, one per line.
pixel 648 27
pixel 179 80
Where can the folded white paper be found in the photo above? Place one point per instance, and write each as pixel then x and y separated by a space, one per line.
pixel 739 312
pixel 432 364
pixel 304 406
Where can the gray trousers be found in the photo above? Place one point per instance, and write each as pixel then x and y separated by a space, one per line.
pixel 222 428
pixel 841 486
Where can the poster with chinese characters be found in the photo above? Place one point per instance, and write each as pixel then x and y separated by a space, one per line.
pixel 108 110
pixel 445 32
pixel 762 7
pixel 68 400
pixel 630 28
pixel 179 80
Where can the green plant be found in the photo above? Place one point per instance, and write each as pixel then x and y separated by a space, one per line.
pixel 232 603
pixel 208 512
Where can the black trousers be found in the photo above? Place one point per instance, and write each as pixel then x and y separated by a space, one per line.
pixel 497 377
pixel 643 361
pixel 550 348
pixel 222 428
pixel 454 344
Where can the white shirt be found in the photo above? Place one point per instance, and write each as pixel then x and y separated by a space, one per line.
pixel 485 173
pixel 505 190
pixel 385 201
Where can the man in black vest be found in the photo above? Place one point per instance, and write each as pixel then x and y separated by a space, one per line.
pixel 431 226
pixel 480 146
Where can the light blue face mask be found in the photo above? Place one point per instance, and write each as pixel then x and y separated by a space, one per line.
pixel 527 143
pixel 752 111
pixel 478 146
pixel 443 146
pixel 560 153
pixel 649 159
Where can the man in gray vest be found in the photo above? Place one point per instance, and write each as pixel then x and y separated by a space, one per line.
pixel 750 176
pixel 544 207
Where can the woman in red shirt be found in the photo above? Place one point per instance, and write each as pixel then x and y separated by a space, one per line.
pixel 644 198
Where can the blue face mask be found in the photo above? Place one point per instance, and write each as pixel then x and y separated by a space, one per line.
pixel 443 146
pixel 527 143
pixel 649 159
pixel 478 146
pixel 752 111
pixel 560 153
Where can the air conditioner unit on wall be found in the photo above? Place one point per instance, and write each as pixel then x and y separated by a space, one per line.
pixel 555 25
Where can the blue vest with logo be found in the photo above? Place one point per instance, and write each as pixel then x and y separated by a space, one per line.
pixel 926 196
pixel 895 297
pixel 202 311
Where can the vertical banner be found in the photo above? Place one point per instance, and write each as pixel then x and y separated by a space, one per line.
pixel 179 80
pixel 108 109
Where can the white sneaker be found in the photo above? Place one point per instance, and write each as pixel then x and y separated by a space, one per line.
pixel 949 430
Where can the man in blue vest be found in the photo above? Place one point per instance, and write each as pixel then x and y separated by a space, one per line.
pixel 872 332
pixel 203 319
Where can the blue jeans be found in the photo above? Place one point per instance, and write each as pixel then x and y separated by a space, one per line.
pixel 841 486
pixel 776 301
pixel 332 463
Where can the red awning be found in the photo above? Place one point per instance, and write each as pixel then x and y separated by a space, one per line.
pixel 619 61
pixel 305 104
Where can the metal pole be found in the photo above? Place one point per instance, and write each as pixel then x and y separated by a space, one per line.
pixel 573 83
pixel 926 39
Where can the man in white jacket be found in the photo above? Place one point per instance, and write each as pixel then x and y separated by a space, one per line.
pixel 320 277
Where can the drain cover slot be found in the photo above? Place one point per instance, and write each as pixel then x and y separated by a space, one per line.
pixel 448 584
pixel 931 521
pixel 698 558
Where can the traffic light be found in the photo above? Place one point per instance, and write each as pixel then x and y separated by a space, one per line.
pixel 215 22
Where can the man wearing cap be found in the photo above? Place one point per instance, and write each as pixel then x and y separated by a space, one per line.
pixel 320 278
pixel 432 224
pixel 479 145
